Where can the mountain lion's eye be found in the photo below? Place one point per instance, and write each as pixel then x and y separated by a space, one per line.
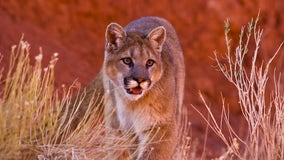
pixel 150 63
pixel 127 61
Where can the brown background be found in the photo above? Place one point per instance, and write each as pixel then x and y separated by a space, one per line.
pixel 75 29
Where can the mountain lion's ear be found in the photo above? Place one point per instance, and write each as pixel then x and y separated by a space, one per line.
pixel 114 36
pixel 157 38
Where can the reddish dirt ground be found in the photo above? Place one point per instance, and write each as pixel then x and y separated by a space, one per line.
pixel 75 29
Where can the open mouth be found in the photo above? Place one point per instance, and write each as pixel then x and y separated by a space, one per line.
pixel 136 90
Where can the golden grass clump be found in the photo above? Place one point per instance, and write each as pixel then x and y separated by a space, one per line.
pixel 30 125
pixel 28 103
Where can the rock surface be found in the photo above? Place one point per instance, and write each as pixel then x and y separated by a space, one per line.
pixel 75 30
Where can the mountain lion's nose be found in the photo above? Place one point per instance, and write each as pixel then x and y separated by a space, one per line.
pixel 139 79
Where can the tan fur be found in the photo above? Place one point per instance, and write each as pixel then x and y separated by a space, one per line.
pixel 142 81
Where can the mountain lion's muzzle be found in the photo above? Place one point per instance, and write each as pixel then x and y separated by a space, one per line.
pixel 138 81
pixel 136 85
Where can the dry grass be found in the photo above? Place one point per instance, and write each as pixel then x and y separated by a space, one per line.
pixel 28 105
pixel 35 125
pixel 264 117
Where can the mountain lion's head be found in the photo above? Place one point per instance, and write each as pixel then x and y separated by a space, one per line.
pixel 132 60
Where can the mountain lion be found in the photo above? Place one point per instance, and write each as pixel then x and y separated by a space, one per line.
pixel 142 83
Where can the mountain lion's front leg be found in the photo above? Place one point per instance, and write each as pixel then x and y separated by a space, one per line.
pixel 115 152
pixel 157 143
pixel 117 147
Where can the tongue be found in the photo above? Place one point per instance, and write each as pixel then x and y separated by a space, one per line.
pixel 136 90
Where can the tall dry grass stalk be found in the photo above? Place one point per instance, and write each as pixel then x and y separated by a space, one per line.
pixel 38 123
pixel 264 117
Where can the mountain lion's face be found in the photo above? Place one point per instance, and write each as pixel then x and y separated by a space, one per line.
pixel 133 63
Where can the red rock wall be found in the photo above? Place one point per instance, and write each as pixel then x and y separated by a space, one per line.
pixel 75 29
